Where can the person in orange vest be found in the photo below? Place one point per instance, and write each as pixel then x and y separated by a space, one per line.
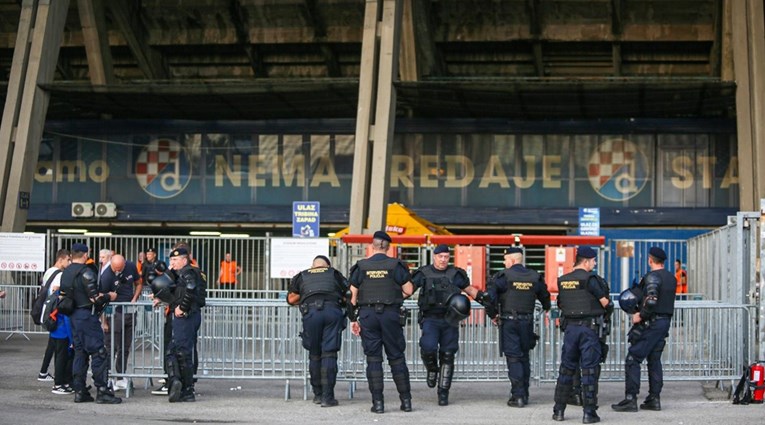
pixel 682 278
pixel 229 270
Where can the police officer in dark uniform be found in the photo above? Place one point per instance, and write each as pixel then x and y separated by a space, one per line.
pixel 149 266
pixel 320 291
pixel 648 335
pixel 576 394
pixel 79 283
pixel 516 290
pixel 186 320
pixel 583 304
pixel 379 285
pixel 439 340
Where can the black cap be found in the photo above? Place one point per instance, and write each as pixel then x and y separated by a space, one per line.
pixel 441 249
pixel 179 251
pixel 513 250
pixel 322 257
pixel 148 250
pixel 79 247
pixel 382 236
pixel 658 253
pixel 586 252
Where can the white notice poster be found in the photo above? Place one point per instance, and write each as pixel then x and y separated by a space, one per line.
pixel 22 252
pixel 289 256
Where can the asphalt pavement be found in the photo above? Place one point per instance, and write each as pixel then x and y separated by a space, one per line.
pixel 24 400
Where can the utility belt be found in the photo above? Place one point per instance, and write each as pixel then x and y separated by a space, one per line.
pixel 318 305
pixel 380 307
pixel 517 316
pixel 661 316
pixel 593 323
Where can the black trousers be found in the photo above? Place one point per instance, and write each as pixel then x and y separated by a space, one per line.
pixel 63 364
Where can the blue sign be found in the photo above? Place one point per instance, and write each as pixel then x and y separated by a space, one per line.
pixel 589 221
pixel 305 219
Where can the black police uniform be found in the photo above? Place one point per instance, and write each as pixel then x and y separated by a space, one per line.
pixel 78 282
pixel 579 295
pixel 379 279
pixel 322 292
pixel 576 395
pixel 179 358
pixel 439 341
pixel 516 290
pixel 648 338
pixel 123 283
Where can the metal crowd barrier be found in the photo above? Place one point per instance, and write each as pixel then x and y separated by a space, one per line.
pixel 259 339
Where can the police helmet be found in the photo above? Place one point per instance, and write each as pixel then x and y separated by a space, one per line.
pixel 629 300
pixel 457 309
pixel 163 288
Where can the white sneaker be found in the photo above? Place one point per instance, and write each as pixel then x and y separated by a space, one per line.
pixel 120 384
pixel 62 389
pixel 161 390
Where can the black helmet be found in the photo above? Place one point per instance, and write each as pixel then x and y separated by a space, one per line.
pixel 457 309
pixel 629 300
pixel 163 288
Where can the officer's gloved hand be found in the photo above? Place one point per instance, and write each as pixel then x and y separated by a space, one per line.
pixel 609 307
pixel 353 313
pixel 482 298
pixel 102 301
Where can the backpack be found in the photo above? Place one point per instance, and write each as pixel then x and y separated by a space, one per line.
pixel 49 315
pixel 40 298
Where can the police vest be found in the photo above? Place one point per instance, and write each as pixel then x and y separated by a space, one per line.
pixel 437 288
pixel 73 286
pixel 520 296
pixel 574 298
pixel 377 285
pixel 200 287
pixel 666 302
pixel 319 281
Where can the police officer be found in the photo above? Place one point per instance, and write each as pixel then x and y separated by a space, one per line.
pixel 516 290
pixel 439 340
pixel 576 394
pixel 150 264
pixel 583 303
pixel 320 291
pixel 648 334
pixel 379 285
pixel 186 314
pixel 79 283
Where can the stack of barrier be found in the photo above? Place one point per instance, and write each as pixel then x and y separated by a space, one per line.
pixel 259 339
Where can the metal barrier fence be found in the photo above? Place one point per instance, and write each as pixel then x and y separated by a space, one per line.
pixel 259 339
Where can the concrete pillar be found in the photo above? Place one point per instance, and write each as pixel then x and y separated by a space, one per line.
pixel 23 130
pixel 377 98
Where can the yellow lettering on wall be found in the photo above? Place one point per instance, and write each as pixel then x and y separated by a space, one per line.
pixel 257 168
pixel 401 171
pixel 98 171
pixel 221 168
pixel 428 171
pixel 292 170
pixel 681 167
pixel 72 170
pixel 325 173
pixel 731 174
pixel 531 173
pixel 551 171
pixel 706 162
pixel 44 172
pixel 458 165
pixel 494 174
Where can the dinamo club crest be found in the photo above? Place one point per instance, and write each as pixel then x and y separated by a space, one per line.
pixel 163 169
pixel 618 170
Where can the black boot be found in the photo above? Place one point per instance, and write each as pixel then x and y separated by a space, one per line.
pixel 378 406
pixel 590 417
pixel 443 397
pixel 430 360
pixel 314 371
pixel 174 389
pixel 629 404
pixel 328 378
pixel 445 380
pixel 558 410
pixel 516 401
pixel 317 395
pixel 105 395
pixel 406 404
pixel 652 402
pixel 83 397
pixel 188 395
